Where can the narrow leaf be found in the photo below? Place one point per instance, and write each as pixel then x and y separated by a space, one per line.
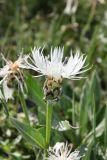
pixel 34 136
pixel 35 90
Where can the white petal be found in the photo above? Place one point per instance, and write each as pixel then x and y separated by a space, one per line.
pixel 62 151
pixel 53 65
pixel 47 65
pixel 22 61
pixel 4 71
pixel 74 66
pixel 8 92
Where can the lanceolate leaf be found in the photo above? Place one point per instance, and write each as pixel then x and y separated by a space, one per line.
pixel 35 137
pixel 95 88
pixel 85 98
pixel 99 131
pixel 91 87
pixel 35 89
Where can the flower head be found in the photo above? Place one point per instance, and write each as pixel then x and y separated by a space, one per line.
pixel 62 151
pixel 12 72
pixel 56 68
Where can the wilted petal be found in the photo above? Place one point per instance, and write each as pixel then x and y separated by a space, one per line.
pixel 8 92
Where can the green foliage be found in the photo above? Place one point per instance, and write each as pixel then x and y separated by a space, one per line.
pixel 83 104
pixel 33 136
pixel 35 90
pixel 90 89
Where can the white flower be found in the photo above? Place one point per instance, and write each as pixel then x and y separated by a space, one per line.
pixel 62 151
pixel 56 68
pixel 53 65
pixel 11 71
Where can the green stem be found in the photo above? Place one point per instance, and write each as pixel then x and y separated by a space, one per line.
pixel 48 123
pixel 24 107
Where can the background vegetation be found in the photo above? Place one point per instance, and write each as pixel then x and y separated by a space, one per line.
pixel 28 23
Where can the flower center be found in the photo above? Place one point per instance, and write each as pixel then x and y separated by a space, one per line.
pixel 14 66
pixel 52 88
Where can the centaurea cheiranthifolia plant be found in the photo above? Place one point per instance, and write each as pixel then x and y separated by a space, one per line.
pixel 55 68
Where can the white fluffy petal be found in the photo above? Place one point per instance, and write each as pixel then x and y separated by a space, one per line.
pixel 4 71
pixel 53 65
pixel 47 65
pixel 74 66
pixel 62 151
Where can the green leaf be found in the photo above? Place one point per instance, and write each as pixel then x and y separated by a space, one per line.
pixel 95 88
pixel 91 87
pixel 85 98
pixel 35 137
pixel 82 150
pixel 99 130
pixel 93 44
pixel 35 90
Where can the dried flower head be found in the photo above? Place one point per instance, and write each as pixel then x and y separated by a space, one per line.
pixel 10 73
pixel 55 68
pixel 62 151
